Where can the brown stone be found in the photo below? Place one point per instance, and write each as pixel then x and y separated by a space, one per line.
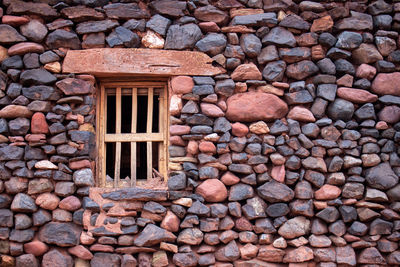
pixel 209 26
pixel 81 13
pixel 229 178
pixel 70 203
pixel 386 84
pixel 15 111
pixel 39 124
pixel 152 235
pixel 278 173
pixel 207 147
pixel 212 190
pixel 255 106
pixel 358 96
pixel 323 24
pixel 371 256
pixel 47 201
pixel 179 129
pixel 366 53
pixel 210 13
pixel 182 84
pixel 72 86
pixel 346 80
pixel 246 72
pixel 299 113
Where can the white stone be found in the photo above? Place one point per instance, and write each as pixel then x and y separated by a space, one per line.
pixel 45 165
pixel 152 40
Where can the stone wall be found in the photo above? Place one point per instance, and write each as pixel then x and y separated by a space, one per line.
pixel 289 158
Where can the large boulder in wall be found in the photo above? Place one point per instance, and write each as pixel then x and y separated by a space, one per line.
pixel 255 106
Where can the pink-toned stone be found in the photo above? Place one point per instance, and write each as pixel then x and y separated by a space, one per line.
pixel 209 26
pixel 182 84
pixel 193 147
pixel 212 190
pixel 346 80
pixel 36 248
pixel 24 48
pixel 179 129
pixel 327 192
pixel 170 222
pixel 81 252
pixel 70 203
pixel 390 114
pixel 246 72
pixel 211 110
pixel 278 173
pixel 14 20
pixel 239 129
pixel 222 104
pixel 39 124
pixel 301 114
pixel 86 239
pixel 207 147
pixel 47 201
pixel 366 71
pixel 386 84
pixel 381 125
pixel 255 106
pixel 229 178
pixel 358 96
pixel 175 105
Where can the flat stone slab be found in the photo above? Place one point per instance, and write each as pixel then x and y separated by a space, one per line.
pixel 108 61
pixel 136 193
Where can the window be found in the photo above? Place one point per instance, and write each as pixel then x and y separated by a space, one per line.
pixel 132 133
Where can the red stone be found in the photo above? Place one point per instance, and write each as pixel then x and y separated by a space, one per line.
pixel 239 129
pixel 192 147
pixel 24 48
pixel 207 147
pixel 14 20
pixel 386 84
pixel 327 192
pixel 246 72
pixel 70 203
pixel 101 248
pixel 47 201
pixel 366 71
pixel 358 96
pixel 212 190
pixel 36 248
pixel 72 86
pixel 182 84
pixel 39 124
pixel 176 140
pixel 170 222
pixel 300 254
pixel 80 164
pixel 81 252
pixel 255 106
pixel 229 178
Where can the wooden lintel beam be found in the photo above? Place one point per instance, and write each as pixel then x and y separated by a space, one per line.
pixel 105 62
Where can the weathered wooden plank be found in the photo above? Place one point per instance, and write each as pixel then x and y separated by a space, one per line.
pixel 117 170
pixel 110 61
pixel 138 137
pixel 149 129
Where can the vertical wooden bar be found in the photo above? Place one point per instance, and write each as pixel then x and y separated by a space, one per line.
pixel 118 144
pixel 101 115
pixel 161 146
pixel 149 130
pixel 133 130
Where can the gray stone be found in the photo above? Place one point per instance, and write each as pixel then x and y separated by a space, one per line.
pixel 159 24
pixel 212 44
pixel 83 177
pixel 63 38
pixel 341 109
pixel 381 176
pixel 280 37
pixel 251 45
pixel 34 30
pixel 182 37
pixel 36 77
pixel 274 71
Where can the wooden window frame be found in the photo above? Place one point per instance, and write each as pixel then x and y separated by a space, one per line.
pixel 149 137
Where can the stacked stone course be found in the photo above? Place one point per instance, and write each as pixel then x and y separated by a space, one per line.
pixel 289 157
